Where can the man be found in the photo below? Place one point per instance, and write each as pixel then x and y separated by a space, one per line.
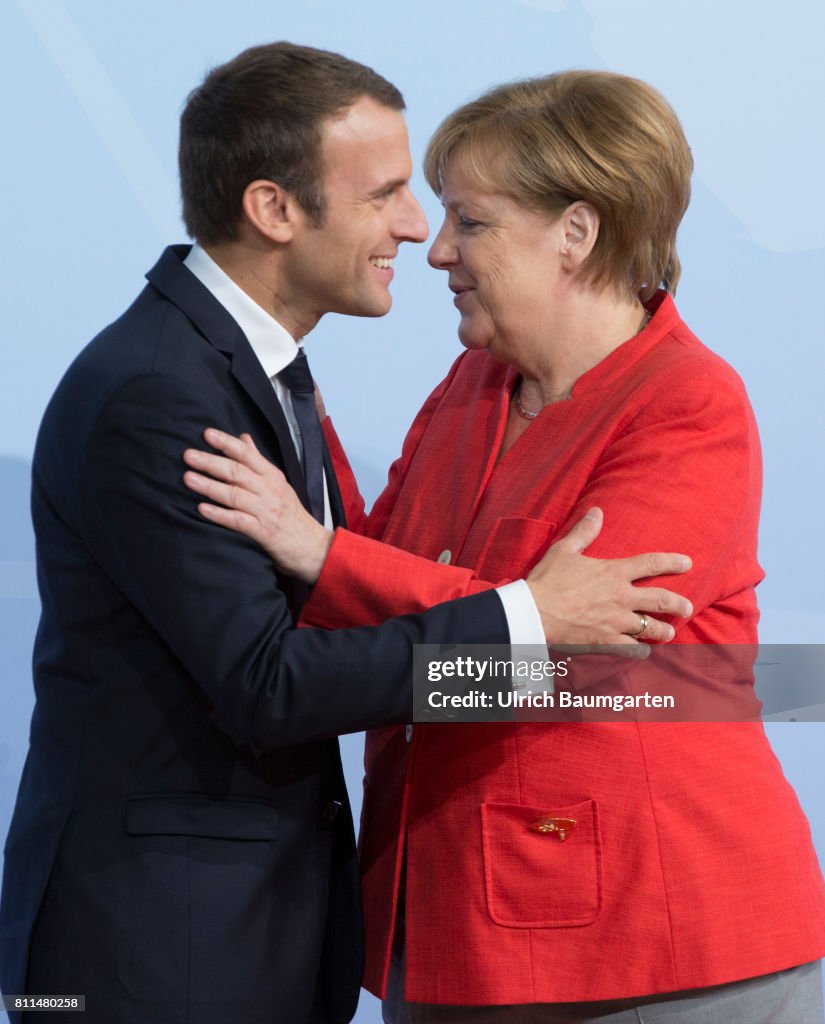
pixel 182 846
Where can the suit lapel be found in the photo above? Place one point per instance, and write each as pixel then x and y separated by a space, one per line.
pixel 179 286
pixel 336 502
pixel 248 372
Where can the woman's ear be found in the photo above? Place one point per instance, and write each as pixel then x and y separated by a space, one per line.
pixel 580 229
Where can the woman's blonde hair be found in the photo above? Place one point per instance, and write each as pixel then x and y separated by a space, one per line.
pixel 609 140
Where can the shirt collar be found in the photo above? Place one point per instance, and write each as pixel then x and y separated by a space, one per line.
pixel 272 343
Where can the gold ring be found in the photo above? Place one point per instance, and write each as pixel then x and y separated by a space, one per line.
pixel 642 628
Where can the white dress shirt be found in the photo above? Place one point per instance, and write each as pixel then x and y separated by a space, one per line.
pixel 273 345
pixel 275 349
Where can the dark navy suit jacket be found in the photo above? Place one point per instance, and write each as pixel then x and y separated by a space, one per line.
pixel 175 853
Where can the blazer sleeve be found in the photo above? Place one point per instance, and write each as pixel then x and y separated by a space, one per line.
pixel 684 474
pixel 381 580
pixel 374 524
pixel 215 599
pixel 354 510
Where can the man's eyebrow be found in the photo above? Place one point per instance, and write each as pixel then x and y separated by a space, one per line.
pixel 387 186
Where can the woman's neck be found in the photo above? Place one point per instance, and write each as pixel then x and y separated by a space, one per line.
pixel 583 336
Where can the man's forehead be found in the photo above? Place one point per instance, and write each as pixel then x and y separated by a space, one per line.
pixel 368 142
pixel 364 123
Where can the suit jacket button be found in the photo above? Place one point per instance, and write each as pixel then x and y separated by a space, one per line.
pixel 445 557
pixel 330 812
pixel 408 734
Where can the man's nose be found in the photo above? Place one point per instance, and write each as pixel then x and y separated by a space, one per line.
pixel 411 224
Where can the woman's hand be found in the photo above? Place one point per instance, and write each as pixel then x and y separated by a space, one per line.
pixel 254 498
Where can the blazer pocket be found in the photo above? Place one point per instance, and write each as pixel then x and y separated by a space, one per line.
pixel 245 818
pixel 513 547
pixel 534 879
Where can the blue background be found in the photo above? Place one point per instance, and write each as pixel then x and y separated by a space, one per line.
pixel 92 93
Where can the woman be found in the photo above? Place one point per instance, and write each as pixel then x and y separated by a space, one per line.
pixel 581 387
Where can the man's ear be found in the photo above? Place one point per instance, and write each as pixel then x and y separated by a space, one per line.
pixel 271 210
pixel 580 229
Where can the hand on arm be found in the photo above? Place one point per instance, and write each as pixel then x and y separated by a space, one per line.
pixel 685 474
pixel 580 600
pixel 585 600
pixel 254 498
pixel 212 599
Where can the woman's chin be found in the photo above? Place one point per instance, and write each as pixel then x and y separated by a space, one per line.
pixel 473 339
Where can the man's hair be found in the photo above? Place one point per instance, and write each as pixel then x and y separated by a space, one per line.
pixel 261 116
pixel 604 138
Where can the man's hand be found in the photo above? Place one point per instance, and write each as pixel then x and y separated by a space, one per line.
pixel 585 600
pixel 254 498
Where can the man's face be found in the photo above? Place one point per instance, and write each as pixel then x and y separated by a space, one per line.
pixel 345 265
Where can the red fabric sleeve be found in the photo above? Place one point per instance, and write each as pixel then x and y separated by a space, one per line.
pixel 685 475
pixel 347 484
pixel 397 582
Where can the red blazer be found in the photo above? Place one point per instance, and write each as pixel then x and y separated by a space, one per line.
pixel 677 875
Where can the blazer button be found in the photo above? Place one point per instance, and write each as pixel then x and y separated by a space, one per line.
pixel 408 734
pixel 445 556
pixel 330 812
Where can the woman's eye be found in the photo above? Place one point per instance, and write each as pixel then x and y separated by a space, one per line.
pixel 466 224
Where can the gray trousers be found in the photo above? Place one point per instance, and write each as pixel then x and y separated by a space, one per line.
pixel 787 997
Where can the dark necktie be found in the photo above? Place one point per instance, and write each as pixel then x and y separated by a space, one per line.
pixel 298 379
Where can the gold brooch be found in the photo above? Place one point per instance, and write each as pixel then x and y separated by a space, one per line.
pixel 561 826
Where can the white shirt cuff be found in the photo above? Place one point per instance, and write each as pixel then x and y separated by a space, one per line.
pixel 523 619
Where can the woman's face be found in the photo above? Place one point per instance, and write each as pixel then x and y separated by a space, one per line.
pixel 503 263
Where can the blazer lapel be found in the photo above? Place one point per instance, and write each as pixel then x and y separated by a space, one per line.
pixel 179 286
pixel 248 372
